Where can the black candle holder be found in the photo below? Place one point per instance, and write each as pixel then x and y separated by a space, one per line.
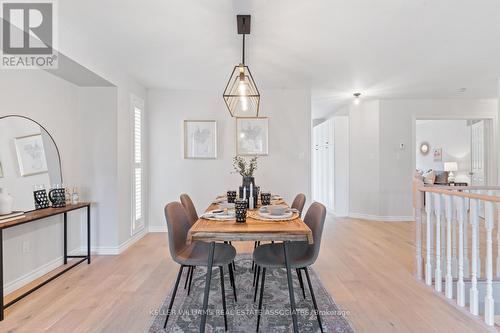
pixel 241 210
pixel 41 199
pixel 256 193
pixel 231 196
pixel 58 197
pixel 265 198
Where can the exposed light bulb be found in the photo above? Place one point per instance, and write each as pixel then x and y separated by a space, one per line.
pixel 357 100
pixel 242 87
pixel 244 103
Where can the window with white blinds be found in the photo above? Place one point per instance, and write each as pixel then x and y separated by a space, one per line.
pixel 138 174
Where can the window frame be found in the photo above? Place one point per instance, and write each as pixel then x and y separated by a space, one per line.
pixel 137 225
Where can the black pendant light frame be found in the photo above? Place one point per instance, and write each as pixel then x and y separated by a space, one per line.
pixel 230 98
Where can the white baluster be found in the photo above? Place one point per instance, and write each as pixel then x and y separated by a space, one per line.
pixel 498 241
pixel 454 255
pixel 466 241
pixel 480 211
pixel 474 294
pixel 438 280
pixel 489 303
pixel 443 237
pixel 460 283
pixel 449 276
pixel 428 243
pixel 418 233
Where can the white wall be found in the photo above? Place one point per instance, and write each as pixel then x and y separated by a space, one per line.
pixel 380 172
pixel 364 159
pixel 397 126
pixel 453 137
pixel 86 53
pixel 341 170
pixel 98 152
pixel 285 171
pixel 53 103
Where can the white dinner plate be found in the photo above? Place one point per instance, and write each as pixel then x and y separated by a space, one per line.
pixel 215 215
pixel 220 200
pixel 265 215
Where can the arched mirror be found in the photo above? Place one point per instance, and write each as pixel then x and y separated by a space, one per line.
pixel 29 159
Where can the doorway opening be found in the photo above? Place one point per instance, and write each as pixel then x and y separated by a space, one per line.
pixel 454 151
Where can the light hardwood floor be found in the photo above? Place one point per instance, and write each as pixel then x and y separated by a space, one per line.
pixel 366 266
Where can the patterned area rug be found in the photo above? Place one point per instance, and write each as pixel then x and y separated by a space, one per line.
pixel 242 316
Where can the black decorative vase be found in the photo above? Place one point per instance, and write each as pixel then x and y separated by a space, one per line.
pixel 247 181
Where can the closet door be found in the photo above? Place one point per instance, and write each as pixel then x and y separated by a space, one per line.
pixel 315 163
pixel 323 162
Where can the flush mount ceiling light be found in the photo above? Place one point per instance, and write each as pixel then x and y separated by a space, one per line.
pixel 357 100
pixel 241 95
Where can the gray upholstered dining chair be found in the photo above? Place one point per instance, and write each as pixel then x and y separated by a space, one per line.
pixel 190 209
pixel 298 204
pixel 188 205
pixel 194 254
pixel 301 255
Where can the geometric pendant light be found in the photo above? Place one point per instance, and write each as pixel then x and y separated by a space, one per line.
pixel 241 95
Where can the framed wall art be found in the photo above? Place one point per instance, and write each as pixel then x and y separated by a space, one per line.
pixel 252 136
pixel 31 155
pixel 437 154
pixel 200 139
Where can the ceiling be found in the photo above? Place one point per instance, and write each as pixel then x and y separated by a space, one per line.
pixel 383 48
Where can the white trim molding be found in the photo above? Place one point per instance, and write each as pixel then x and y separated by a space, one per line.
pixel 58 262
pixel 381 218
pixel 115 250
pixel 157 228
pixel 36 273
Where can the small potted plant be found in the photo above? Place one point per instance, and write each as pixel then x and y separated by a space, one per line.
pixel 246 169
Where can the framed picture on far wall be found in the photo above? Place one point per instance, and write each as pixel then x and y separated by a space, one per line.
pixel 31 155
pixel 200 139
pixel 437 153
pixel 252 136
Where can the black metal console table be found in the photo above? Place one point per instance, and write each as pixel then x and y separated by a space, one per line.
pixel 38 215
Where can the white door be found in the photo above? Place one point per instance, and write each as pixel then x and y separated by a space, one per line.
pixel 477 172
pixel 478 162
pixel 322 151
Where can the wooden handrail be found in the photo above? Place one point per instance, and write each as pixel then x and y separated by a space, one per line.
pixel 465 188
pixel 459 194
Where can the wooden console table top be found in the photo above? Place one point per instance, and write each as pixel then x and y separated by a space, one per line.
pixel 41 214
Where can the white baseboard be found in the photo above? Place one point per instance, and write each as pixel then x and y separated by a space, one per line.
pixel 53 264
pixel 157 228
pixel 381 218
pixel 337 214
pixel 125 245
pixel 115 250
pixel 36 273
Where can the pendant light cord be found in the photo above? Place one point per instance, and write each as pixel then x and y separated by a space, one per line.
pixel 243 49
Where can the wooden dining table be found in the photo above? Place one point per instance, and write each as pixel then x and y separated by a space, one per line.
pixel 252 230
